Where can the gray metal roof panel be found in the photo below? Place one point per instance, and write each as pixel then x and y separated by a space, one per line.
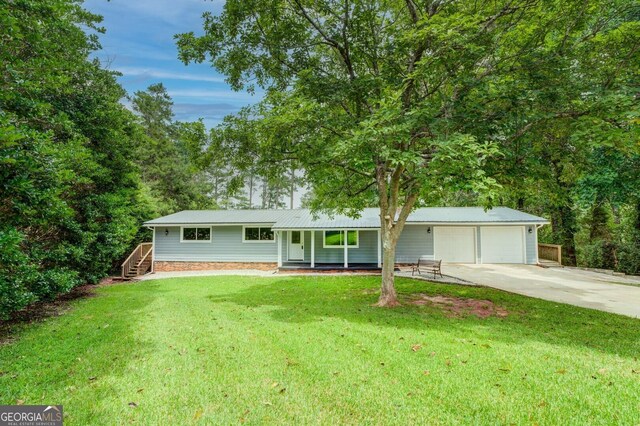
pixel 472 215
pixel 303 219
pixel 369 218
pixel 221 217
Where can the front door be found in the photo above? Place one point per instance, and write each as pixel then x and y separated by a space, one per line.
pixel 296 245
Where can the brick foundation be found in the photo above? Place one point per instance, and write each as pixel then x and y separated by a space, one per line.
pixel 165 266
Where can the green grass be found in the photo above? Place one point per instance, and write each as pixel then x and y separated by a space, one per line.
pixel 313 350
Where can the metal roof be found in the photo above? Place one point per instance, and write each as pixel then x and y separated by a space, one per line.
pixel 369 218
pixel 472 215
pixel 204 217
pixel 303 219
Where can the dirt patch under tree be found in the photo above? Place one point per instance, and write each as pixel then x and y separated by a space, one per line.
pixel 457 306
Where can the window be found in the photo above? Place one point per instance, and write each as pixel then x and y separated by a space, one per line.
pixel 335 239
pixel 257 235
pixel 195 235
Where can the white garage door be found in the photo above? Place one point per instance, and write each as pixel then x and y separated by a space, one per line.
pixel 456 244
pixel 502 244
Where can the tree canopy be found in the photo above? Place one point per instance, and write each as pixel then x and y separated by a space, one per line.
pixel 394 104
pixel 79 172
pixel 398 103
pixel 69 191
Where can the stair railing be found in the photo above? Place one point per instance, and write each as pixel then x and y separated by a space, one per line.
pixel 143 266
pixel 134 258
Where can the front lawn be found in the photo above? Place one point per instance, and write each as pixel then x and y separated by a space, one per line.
pixel 313 350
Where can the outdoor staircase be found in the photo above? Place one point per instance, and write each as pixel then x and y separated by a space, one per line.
pixel 139 261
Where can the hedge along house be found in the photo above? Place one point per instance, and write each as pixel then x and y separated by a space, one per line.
pixel 269 239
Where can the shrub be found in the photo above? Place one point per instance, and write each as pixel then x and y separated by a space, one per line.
pixel 17 274
pixel 629 256
pixel 597 254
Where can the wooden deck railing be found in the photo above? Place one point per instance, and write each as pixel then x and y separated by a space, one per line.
pixel 144 264
pixel 135 259
pixel 550 252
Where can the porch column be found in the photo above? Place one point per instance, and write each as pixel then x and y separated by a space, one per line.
pixel 313 248
pixel 379 251
pixel 279 242
pixel 346 252
pixel 153 249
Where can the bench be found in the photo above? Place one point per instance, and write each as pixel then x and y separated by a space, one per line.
pixel 425 263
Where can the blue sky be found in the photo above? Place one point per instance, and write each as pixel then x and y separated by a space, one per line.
pixel 139 43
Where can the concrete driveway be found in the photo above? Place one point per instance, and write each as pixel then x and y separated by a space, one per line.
pixel 567 285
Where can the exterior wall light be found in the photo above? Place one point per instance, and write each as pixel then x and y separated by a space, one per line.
pixel 428 229
pixel 531 229
pixel 166 231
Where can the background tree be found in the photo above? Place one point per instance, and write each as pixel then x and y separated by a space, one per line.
pixel 403 102
pixel 242 159
pixel 171 155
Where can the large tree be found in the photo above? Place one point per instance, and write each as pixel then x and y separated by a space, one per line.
pixel 69 206
pixel 399 102
pixel 171 154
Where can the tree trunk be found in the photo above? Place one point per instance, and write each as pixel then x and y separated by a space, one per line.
pixel 251 191
pixel 215 190
pixel 388 296
pixel 563 225
pixel 293 187
pixel 598 228
pixel 264 194
pixel 391 225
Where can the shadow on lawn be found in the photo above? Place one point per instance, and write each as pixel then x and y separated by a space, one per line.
pixel 310 299
pixel 80 351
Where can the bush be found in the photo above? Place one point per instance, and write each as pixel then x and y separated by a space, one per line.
pixel 52 282
pixel 597 254
pixel 17 274
pixel 629 257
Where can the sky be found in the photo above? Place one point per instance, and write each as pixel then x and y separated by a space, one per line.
pixel 139 43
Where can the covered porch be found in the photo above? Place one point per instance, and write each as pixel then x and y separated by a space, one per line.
pixel 329 249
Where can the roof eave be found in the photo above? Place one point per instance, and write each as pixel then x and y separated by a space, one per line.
pixel 510 222
pixel 206 223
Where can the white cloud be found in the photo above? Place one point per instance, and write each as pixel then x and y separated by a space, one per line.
pixel 170 12
pixel 156 73
pixel 212 94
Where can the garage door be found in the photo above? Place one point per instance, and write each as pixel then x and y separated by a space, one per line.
pixel 502 244
pixel 456 244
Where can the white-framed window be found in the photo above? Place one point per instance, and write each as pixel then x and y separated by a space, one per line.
pixel 195 234
pixel 335 239
pixel 257 234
